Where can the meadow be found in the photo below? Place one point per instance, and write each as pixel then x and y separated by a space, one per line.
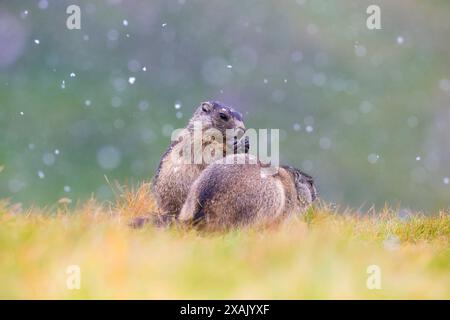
pixel 324 254
pixel 364 111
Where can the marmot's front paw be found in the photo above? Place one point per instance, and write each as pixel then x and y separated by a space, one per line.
pixel 241 145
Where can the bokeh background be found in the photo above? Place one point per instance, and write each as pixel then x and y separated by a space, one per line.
pixel 366 112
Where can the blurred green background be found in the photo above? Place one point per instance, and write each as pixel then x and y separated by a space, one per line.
pixel 366 112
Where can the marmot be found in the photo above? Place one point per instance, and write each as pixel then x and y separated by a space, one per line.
pixel 174 175
pixel 233 195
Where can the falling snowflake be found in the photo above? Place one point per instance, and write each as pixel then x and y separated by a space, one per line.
pixel 373 158
pixel 143 105
pixel 131 80
pixel 41 174
pixel 36 41
pixel 73 75
pixel 365 106
pixel 109 157
pixel 43 4
pixel 360 50
pixel 125 22
pixel 48 159
pixel 444 84
pixel 325 143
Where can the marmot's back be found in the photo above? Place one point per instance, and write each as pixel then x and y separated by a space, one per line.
pixel 234 195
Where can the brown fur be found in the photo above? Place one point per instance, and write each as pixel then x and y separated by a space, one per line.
pixel 174 178
pixel 234 195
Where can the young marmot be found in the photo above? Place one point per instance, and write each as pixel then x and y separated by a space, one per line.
pixel 233 195
pixel 175 175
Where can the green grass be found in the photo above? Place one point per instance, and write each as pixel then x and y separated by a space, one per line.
pixel 324 254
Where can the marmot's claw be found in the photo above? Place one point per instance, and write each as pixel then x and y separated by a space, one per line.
pixel 246 145
pixel 241 146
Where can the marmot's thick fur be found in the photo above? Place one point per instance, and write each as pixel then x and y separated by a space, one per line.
pixel 174 176
pixel 228 196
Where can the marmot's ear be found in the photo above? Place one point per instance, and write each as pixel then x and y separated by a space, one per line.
pixel 207 106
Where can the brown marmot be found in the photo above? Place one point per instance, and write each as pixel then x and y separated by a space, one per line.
pixel 234 195
pixel 175 175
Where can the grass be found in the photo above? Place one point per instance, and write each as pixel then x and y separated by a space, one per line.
pixel 324 254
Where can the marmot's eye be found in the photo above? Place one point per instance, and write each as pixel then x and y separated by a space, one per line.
pixel 223 116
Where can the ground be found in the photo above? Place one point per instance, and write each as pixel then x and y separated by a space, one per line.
pixel 327 253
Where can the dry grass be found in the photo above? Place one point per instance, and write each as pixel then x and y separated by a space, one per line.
pixel 324 254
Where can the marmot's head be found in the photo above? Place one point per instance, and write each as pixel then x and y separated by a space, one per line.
pixel 304 184
pixel 214 114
